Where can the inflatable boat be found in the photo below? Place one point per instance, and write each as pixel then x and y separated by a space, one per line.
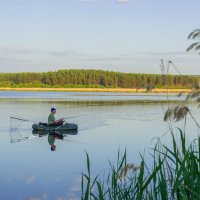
pixel 45 127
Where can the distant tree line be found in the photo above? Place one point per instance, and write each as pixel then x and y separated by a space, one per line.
pixel 97 78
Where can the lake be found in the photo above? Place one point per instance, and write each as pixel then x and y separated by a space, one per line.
pixel 107 122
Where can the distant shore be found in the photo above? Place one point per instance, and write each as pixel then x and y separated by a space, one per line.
pixel 131 90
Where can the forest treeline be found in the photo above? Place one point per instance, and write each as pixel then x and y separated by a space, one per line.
pixel 97 78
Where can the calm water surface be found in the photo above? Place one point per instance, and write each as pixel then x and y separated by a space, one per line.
pixel 107 122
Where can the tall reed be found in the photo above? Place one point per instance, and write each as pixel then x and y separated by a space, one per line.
pixel 175 174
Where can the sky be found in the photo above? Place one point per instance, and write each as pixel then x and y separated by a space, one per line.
pixel 116 35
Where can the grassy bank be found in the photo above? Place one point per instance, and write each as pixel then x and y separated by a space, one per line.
pixel 133 90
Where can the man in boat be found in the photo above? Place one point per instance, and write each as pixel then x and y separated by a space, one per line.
pixel 52 120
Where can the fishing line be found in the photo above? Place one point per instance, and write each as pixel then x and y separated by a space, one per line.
pixel 74 116
pixel 138 119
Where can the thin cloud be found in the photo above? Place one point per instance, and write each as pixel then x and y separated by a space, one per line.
pixel 13 50
pixel 10 51
pixel 107 58
pixel 122 1
pixel 30 179
pixel 165 53
pixel 118 1
pixel 88 0
pixel 28 1
pixel 75 189
pixel 42 197
pixel 63 53
pixel 25 1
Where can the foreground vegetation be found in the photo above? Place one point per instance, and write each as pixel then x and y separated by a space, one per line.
pixel 96 79
pixel 175 174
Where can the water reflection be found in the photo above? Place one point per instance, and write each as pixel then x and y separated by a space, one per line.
pixel 106 127
pixel 52 138
pixel 45 133
pixel 17 136
pixel 86 97
pixel 53 135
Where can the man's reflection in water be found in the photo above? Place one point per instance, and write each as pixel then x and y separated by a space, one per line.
pixel 52 136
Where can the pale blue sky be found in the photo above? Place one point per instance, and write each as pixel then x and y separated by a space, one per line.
pixel 118 35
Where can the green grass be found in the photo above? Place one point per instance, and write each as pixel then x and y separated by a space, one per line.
pixel 175 174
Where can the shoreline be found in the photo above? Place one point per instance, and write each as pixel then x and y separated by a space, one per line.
pixel 131 90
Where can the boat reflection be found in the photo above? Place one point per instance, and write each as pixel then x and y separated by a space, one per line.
pixel 64 133
pixel 18 135
pixel 53 135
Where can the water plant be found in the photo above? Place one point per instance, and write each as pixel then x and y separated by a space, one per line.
pixel 194 35
pixel 175 174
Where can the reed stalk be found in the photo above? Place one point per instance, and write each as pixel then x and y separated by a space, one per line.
pixel 175 174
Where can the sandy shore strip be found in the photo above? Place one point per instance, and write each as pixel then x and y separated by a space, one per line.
pixel 133 90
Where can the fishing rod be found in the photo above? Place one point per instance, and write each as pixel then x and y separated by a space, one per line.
pixel 22 119
pixel 28 120
pixel 14 119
